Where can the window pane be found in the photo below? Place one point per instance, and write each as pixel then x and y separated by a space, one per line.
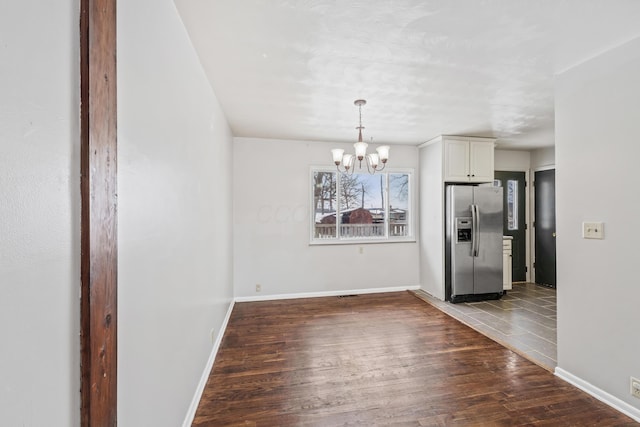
pixel 512 204
pixel 324 202
pixel 362 206
pixel 398 204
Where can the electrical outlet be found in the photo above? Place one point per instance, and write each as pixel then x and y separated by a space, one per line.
pixel 593 230
pixel 258 287
pixel 213 335
pixel 361 250
pixel 635 387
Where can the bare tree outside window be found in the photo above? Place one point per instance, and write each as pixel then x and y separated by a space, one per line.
pixel 324 191
pixel 399 184
pixel 324 202
pixel 398 204
pixel 350 191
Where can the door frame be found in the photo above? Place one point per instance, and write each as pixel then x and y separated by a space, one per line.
pixel 533 215
pixel 527 218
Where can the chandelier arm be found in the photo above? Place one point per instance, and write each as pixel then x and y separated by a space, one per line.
pixel 347 172
pixel 370 168
pixel 368 162
pixel 347 169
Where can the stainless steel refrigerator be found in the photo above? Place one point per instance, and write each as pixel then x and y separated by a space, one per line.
pixel 473 255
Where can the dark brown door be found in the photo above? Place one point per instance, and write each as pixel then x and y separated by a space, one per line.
pixel 514 224
pixel 545 227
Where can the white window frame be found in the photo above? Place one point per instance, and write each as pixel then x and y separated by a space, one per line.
pixel 411 234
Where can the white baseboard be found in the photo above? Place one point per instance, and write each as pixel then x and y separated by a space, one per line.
pixel 599 394
pixel 325 293
pixel 191 413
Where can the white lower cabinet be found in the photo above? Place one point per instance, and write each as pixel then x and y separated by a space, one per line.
pixel 507 274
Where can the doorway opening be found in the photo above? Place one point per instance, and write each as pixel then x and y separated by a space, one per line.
pixel 514 219
pixel 545 228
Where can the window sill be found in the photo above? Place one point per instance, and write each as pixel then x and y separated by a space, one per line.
pixel 360 242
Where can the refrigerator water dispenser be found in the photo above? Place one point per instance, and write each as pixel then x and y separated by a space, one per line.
pixel 463 230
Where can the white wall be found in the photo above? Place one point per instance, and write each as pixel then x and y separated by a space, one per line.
pixel 39 214
pixel 512 160
pixel 432 220
pixel 597 150
pixel 175 215
pixel 272 226
pixel 543 157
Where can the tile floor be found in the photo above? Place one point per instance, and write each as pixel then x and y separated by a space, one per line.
pixel 524 320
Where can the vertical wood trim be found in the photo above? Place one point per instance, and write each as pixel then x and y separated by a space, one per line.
pixel 98 305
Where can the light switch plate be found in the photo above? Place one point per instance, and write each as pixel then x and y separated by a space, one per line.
pixel 593 230
pixel 635 387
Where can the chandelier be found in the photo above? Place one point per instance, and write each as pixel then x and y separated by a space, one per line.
pixel 375 161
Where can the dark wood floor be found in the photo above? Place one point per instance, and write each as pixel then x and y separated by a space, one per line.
pixel 382 359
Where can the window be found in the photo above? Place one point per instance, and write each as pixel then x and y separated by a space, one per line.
pixel 512 204
pixel 360 207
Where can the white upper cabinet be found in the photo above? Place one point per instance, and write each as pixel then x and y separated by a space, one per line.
pixel 468 159
pixel 456 160
pixel 481 161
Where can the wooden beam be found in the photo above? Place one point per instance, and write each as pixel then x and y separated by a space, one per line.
pixel 99 259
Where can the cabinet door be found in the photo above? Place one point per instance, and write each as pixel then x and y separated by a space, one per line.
pixel 456 160
pixel 481 161
pixel 507 277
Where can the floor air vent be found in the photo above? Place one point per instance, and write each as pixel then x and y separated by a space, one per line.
pixel 347 296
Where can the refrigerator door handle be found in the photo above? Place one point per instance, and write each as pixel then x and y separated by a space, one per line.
pixel 473 230
pixel 476 230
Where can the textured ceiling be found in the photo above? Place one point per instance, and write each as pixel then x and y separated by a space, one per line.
pixel 291 69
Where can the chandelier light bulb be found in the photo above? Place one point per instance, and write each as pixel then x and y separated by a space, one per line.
pixel 383 152
pixel 347 161
pixel 337 155
pixel 361 149
pixel 374 159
